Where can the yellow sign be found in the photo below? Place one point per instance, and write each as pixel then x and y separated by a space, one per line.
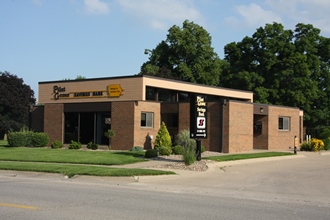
pixel 114 90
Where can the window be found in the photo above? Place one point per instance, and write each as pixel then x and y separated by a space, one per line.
pixel 147 119
pixel 284 123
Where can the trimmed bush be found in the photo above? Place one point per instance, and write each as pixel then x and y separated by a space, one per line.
pixel 40 139
pixel 163 138
pixel 151 153
pixel 56 144
pixel 92 146
pixel 75 145
pixel 177 149
pixel 136 148
pixel 16 139
pixel 165 151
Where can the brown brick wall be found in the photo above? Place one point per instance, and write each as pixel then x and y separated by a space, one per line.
pixel 122 122
pixel 184 116
pixel 282 140
pixel 141 134
pixel 213 141
pixel 240 127
pixel 37 118
pixel 54 121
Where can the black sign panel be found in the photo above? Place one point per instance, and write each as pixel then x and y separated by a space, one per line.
pixel 198 119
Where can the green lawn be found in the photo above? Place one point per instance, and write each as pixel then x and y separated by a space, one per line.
pixel 25 154
pixel 73 162
pixel 247 156
pixel 3 143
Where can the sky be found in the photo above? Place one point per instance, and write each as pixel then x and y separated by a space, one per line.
pixel 49 40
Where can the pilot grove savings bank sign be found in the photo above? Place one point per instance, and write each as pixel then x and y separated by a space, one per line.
pixel 198 119
pixel 113 90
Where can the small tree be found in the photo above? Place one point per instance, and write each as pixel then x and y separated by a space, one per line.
pixel 163 138
pixel 110 134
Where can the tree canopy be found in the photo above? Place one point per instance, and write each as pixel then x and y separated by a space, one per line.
pixel 283 67
pixel 186 55
pixel 15 101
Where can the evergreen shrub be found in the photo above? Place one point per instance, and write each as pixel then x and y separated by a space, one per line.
pixel 163 139
pixel 92 146
pixel 56 144
pixel 16 139
pixel 150 153
pixel 75 145
pixel 39 139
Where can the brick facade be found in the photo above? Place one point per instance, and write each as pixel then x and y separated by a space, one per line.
pixel 238 127
pixel 54 121
pixel 230 126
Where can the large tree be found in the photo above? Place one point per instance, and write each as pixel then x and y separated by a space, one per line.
pixel 185 55
pixel 283 67
pixel 15 101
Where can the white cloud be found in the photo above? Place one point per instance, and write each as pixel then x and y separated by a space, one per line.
pixel 96 7
pixel 253 15
pixel 314 12
pixel 160 14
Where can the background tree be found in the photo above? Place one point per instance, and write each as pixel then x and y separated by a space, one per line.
pixel 283 67
pixel 186 55
pixel 15 101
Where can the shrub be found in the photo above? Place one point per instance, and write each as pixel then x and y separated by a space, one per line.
pixel 189 147
pixel 75 145
pixel 317 145
pixel 314 145
pixel 136 148
pixel 165 150
pixel 202 149
pixel 151 153
pixel 92 146
pixel 183 139
pixel 189 157
pixel 326 142
pixel 17 139
pixel 56 144
pixel 177 149
pixel 40 139
pixel 163 138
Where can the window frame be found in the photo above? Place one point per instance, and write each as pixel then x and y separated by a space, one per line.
pixel 284 123
pixel 147 121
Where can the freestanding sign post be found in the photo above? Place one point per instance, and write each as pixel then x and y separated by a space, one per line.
pixel 198 121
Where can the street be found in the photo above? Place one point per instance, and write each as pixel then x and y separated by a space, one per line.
pixel 276 189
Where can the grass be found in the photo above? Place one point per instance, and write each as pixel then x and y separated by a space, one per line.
pixel 3 143
pixel 247 156
pixel 72 170
pixel 72 162
pixel 95 163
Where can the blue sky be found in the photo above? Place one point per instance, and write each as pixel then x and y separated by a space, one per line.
pixel 46 40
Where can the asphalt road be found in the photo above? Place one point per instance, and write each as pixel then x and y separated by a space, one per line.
pixel 273 189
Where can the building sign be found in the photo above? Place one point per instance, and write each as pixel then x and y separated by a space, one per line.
pixel 198 116
pixel 114 90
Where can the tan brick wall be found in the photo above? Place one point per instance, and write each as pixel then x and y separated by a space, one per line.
pixel 239 127
pixel 282 140
pixel 122 122
pixel 260 141
pixel 142 134
pixel 54 121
